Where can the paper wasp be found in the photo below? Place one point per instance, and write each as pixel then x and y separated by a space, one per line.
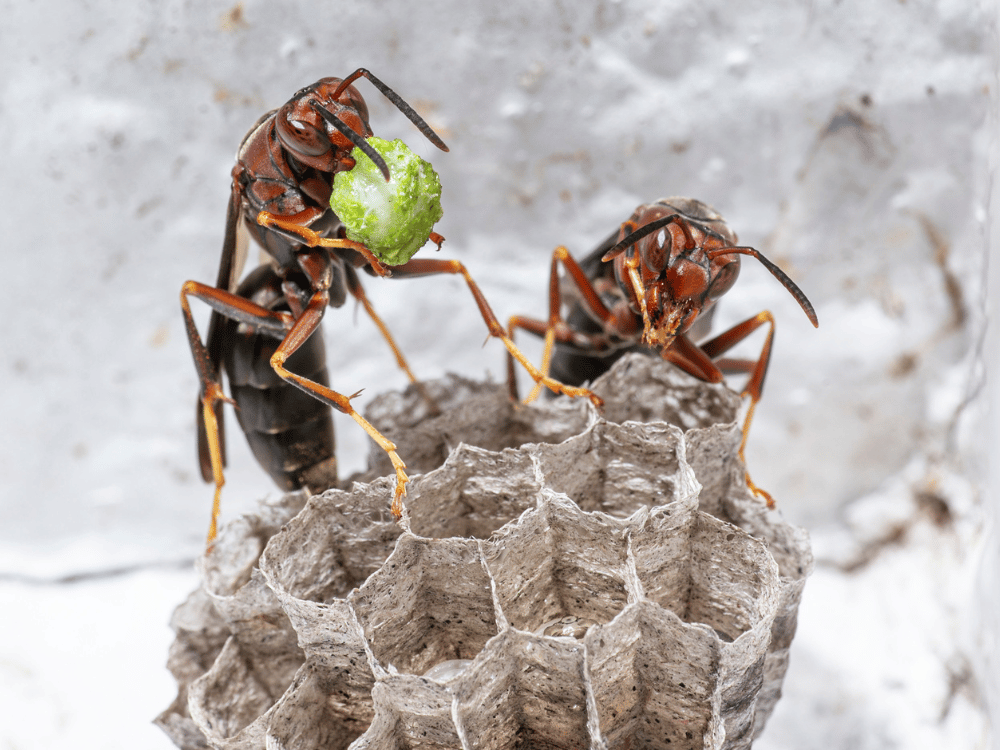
pixel 265 332
pixel 653 285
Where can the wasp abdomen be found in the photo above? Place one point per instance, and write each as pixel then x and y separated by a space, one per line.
pixel 289 431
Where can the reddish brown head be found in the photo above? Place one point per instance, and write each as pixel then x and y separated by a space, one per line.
pixel 674 260
pixel 324 122
pixel 307 125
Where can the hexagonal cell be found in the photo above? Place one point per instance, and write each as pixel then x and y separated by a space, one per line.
pixel 615 470
pixel 200 635
pixel 478 414
pixel 411 712
pixel 653 679
pixel 640 388
pixel 336 542
pixel 228 698
pixel 261 654
pixel 558 566
pixel 524 691
pixel 704 570
pixel 431 602
pixel 475 493
pixel 712 453
pixel 306 717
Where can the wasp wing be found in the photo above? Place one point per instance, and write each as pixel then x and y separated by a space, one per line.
pixel 234 255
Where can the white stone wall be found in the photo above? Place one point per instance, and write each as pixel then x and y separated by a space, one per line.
pixel 850 142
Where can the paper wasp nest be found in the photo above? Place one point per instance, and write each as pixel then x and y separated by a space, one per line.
pixel 560 580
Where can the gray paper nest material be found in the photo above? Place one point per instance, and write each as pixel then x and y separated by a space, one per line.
pixel 559 580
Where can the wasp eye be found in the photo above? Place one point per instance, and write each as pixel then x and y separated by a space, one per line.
pixel 299 136
pixel 724 279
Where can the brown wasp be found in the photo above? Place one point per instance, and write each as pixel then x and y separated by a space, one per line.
pixel 653 285
pixel 265 331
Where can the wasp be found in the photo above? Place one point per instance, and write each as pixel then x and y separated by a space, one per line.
pixel 264 333
pixel 652 285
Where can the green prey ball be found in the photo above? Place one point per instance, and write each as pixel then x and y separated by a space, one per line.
pixel 392 219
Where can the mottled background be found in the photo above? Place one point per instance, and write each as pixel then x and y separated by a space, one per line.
pixel 852 143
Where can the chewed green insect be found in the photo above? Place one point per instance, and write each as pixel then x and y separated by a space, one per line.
pixel 392 219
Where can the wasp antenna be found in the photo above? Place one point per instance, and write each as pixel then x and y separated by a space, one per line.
pixel 638 234
pixel 777 273
pixel 356 139
pixel 392 96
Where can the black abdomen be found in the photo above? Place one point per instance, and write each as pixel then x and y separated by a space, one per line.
pixel 289 431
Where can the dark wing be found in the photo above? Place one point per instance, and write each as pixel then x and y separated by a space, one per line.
pixel 234 253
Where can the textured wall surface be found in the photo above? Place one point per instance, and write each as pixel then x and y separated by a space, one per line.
pixel 848 146
pixel 850 142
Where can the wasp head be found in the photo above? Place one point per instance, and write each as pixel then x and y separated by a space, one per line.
pixel 324 122
pixel 668 266
pixel 317 124
pixel 674 259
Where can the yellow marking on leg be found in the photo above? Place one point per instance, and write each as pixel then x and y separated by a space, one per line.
pixel 215 454
pixel 312 239
pixel 550 340
pixel 540 379
pixel 758 491
pixel 343 404
pixel 397 463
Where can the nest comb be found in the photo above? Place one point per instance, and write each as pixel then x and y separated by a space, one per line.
pixel 559 580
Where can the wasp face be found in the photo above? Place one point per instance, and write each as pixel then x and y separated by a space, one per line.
pixel 673 302
pixel 305 127
pixel 668 273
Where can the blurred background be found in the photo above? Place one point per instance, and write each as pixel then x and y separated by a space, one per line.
pixel 854 144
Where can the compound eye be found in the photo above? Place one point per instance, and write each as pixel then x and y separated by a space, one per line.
pixel 355 102
pixel 656 251
pixel 300 136
pixel 724 279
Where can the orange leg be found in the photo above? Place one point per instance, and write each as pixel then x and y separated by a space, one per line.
pixel 556 329
pixel 428 266
pixel 296 332
pixel 311 239
pixel 539 328
pixel 354 286
pixel 212 395
pixel 758 372
pixel 301 331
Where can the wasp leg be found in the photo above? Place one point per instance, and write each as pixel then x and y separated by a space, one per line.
pixel 557 328
pixel 291 228
pixel 212 395
pixel 758 372
pixel 355 288
pixel 584 344
pixel 303 328
pixel 427 267
pixel 532 325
